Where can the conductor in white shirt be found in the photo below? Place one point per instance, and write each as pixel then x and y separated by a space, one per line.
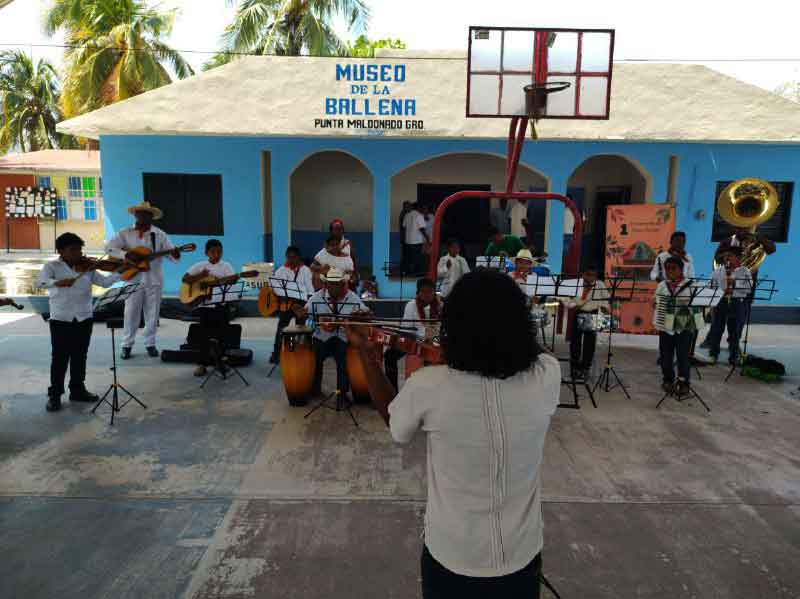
pixel 486 414
pixel 416 236
pixel 677 248
pixel 147 300
pixel 70 318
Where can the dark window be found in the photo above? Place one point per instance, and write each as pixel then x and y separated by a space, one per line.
pixel 776 228
pixel 192 204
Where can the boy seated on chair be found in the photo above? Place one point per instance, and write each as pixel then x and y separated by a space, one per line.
pixel 592 299
pixel 736 281
pixel 212 311
pixel 330 338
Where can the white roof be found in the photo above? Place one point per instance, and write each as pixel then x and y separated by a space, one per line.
pixel 283 96
pixel 52 161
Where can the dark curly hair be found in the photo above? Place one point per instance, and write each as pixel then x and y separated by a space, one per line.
pixel 487 327
pixel 67 239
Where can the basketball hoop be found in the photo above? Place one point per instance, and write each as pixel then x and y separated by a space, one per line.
pixel 536 100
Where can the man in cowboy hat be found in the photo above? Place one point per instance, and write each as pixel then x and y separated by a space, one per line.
pixel 148 298
pixel 335 298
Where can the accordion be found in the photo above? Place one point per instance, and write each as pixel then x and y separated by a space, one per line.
pixel 668 304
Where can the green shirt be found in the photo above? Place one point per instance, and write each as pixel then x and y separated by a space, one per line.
pixel 510 246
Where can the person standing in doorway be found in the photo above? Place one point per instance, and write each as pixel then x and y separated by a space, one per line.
pixel 416 237
pixel 147 300
pixel 402 228
pixel 517 218
pixel 498 216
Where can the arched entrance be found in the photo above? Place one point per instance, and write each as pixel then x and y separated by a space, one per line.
pixel 430 181
pixel 598 182
pixel 328 185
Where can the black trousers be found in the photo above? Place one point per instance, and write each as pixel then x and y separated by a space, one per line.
pixel 730 312
pixel 390 360
pixel 582 345
pixel 284 318
pixel 70 344
pixel 412 264
pixel 337 349
pixel 675 346
pixel 440 583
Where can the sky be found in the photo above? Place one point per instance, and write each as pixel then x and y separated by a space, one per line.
pixel 717 33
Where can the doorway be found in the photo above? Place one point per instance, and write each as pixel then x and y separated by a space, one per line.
pixel 467 220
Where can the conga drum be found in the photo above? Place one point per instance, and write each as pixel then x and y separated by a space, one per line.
pixel 298 364
pixel 357 377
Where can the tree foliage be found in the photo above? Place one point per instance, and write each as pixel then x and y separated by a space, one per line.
pixel 116 51
pixel 363 47
pixel 29 96
pixel 289 28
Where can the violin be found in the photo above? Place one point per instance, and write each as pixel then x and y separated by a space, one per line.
pixel 431 353
pixel 4 301
pixel 87 264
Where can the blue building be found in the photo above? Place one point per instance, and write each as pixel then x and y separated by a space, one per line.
pixel 265 151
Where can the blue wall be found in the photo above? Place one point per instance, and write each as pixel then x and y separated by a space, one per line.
pixel 238 160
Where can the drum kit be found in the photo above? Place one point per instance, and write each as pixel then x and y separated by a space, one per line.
pixel 595 322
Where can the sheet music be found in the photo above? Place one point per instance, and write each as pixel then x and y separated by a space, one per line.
pixel 570 288
pixel 705 295
pixel 493 262
pixel 288 289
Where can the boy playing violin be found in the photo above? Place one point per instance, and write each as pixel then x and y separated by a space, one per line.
pixel 69 282
pixel 426 306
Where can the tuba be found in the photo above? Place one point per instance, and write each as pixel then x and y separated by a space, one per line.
pixel 747 203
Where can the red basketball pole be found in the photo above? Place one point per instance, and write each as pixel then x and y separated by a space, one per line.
pixel 572 260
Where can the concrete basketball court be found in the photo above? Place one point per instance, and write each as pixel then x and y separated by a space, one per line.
pixel 230 493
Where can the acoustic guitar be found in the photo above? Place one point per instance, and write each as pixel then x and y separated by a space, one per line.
pixel 4 301
pixel 144 256
pixel 193 294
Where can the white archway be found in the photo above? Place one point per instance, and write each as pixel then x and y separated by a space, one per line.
pixel 331 184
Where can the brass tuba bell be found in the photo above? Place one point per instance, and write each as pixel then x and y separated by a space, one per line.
pixel 747 203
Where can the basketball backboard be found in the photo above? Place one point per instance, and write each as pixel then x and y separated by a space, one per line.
pixel 575 64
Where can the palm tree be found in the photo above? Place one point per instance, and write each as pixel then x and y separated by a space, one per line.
pixel 115 51
pixel 289 28
pixel 29 99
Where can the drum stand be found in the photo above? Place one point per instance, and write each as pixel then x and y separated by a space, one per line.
pixel 604 381
pixel 342 405
pixel 679 398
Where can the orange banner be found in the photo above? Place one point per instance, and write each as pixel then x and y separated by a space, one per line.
pixel 635 235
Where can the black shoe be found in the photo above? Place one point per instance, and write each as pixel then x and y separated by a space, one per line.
pixel 681 388
pixel 126 353
pixel 152 351
pixel 84 396
pixel 274 358
pixel 667 387
pixel 53 404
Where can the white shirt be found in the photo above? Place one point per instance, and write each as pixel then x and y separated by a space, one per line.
pixel 412 223
pixel 71 303
pixel 485 444
pixel 128 238
pixel 343 263
pixel 742 281
pixel 219 270
pixel 516 212
pixel 410 314
pixel 458 268
pixel 659 273
pixel 321 304
pixel 302 277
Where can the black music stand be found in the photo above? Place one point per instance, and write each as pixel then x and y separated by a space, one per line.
pixel 342 403
pixel 700 296
pixel 560 287
pixel 617 289
pixel 220 295
pixel 288 291
pixel 389 269
pixel 762 290
pixel 113 296
pixel 491 263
